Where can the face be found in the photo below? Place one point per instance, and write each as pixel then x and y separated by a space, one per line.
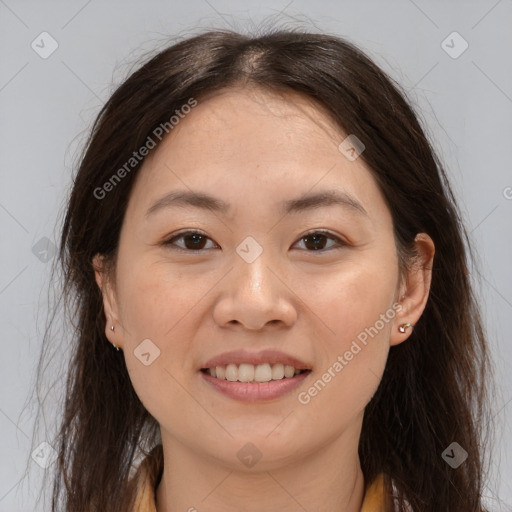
pixel 271 278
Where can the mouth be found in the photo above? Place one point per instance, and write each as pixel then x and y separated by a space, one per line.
pixel 255 383
pixel 248 376
pixel 256 374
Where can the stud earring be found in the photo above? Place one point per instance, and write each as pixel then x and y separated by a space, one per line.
pixel 112 328
pixel 403 327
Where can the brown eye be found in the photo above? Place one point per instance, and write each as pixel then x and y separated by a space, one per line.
pixel 316 241
pixel 192 241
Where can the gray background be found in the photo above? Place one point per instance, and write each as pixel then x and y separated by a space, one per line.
pixel 46 106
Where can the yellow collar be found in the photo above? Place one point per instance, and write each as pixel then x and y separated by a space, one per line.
pixel 376 498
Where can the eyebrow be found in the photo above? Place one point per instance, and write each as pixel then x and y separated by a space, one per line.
pixel 184 199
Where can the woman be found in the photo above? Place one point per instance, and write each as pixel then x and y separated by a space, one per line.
pixel 271 280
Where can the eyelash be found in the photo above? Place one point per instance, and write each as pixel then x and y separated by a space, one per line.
pixel 168 243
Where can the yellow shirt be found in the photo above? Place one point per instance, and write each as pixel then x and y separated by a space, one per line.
pixel 376 497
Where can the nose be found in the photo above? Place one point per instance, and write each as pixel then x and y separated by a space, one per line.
pixel 255 295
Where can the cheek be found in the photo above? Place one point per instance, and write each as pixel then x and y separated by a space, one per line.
pixel 354 298
pixel 153 307
pixel 157 312
pixel 153 301
pixel 355 308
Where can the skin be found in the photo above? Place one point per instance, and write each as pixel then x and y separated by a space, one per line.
pixel 253 149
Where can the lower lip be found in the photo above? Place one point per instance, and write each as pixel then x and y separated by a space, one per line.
pixel 256 391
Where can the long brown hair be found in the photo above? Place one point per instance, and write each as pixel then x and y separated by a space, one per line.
pixel 435 386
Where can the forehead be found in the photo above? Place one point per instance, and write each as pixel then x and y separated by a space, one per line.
pixel 253 118
pixel 239 142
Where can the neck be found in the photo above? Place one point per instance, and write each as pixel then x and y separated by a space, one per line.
pixel 329 479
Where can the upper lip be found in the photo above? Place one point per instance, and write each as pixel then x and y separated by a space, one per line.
pixel 263 356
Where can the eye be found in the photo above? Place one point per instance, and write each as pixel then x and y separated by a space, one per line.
pixel 317 240
pixel 195 241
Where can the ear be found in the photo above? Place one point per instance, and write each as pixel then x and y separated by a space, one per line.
pixel 414 290
pixel 104 282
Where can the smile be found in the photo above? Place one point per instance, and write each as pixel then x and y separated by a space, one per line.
pixel 246 372
pixel 254 383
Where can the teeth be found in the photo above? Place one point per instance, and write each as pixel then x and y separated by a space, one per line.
pixel 277 371
pixel 231 372
pixel 250 373
pixel 246 373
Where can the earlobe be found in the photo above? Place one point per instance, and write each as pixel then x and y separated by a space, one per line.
pixel 109 301
pixel 415 291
